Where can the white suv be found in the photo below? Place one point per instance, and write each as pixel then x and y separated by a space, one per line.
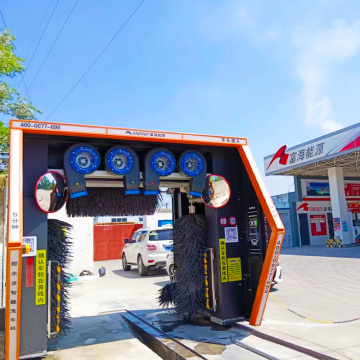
pixel 148 247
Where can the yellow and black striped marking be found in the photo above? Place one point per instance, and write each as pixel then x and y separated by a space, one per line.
pixel 338 243
pixel 58 298
pixel 206 282
pixel 329 243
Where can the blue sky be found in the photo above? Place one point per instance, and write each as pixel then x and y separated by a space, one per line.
pixel 276 72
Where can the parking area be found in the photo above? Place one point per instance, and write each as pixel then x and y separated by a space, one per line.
pixel 320 286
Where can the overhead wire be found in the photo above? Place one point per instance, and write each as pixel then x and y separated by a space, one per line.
pixel 2 16
pixel 96 59
pixel 38 30
pixel 53 44
pixel 42 35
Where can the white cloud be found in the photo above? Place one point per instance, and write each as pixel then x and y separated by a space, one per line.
pixel 317 52
pixel 231 19
pixel 225 19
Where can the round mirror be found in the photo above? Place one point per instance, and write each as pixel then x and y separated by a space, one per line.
pixel 217 191
pixel 50 192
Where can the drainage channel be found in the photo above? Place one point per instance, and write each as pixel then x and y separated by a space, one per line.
pixel 158 340
pixel 167 336
pixel 286 344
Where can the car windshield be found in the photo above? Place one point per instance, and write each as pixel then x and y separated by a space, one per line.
pixel 161 235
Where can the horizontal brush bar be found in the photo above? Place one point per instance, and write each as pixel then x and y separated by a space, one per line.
pixel 112 183
pixel 102 178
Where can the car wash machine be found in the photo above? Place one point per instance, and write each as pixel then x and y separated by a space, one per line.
pixel 227 233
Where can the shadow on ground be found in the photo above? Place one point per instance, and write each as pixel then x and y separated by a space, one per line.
pixel 105 328
pixel 351 252
pixel 91 330
pixel 162 283
pixel 133 273
pixel 201 330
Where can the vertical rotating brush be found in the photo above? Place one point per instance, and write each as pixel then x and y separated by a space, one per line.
pixel 187 294
pixel 59 251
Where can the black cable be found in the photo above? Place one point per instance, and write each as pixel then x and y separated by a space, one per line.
pixel 26 88
pixel 3 19
pixel 96 59
pixel 42 35
pixel 38 30
pixel 53 44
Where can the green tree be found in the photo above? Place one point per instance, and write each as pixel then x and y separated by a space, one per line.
pixel 11 103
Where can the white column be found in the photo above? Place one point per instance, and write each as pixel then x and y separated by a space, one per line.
pixel 338 203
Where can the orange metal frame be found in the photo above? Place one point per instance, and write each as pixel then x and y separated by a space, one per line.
pixel 14 244
pixel 277 228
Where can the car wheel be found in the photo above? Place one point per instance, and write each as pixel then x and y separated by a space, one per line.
pixel 125 265
pixel 171 273
pixel 142 269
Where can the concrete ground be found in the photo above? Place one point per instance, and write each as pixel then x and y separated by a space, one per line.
pixel 99 333
pixel 319 284
pixel 322 285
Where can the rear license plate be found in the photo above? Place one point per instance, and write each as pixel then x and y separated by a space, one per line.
pixel 168 248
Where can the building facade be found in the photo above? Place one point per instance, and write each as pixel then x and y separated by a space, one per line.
pixel 326 200
pixel 307 212
pixel 84 242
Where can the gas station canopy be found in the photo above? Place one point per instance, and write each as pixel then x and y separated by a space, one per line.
pixel 315 157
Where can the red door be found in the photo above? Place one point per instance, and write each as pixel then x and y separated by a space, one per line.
pixel 109 240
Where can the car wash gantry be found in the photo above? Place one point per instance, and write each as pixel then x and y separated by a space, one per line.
pixel 223 217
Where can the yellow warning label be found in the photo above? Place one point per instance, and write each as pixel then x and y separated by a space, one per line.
pixel 40 290
pixel 223 261
pixel 234 269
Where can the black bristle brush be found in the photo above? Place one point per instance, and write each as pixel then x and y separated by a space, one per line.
pixel 112 202
pixel 59 251
pixel 187 294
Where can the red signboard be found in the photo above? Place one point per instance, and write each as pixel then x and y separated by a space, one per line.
pixel 318 225
pixel 30 271
pixel 352 206
pixel 352 189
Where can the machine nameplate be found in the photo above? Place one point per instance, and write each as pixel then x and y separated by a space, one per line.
pixel 234 269
pixel 147 134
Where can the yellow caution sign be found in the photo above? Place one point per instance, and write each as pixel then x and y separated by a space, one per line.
pixel 223 260
pixel 40 290
pixel 234 269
